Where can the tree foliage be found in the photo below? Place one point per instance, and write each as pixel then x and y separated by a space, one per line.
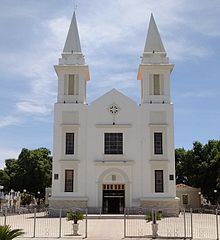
pixel 31 171
pixel 200 167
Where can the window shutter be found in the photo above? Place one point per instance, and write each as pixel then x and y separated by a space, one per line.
pixel 69 180
pixel 156 84
pixel 158 143
pixel 69 143
pixel 76 78
pixel 151 84
pixel 159 181
pixel 162 92
pixel 71 86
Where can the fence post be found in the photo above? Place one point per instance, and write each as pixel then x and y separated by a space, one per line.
pixel 124 222
pixel 191 217
pixel 100 212
pixel 34 233
pixel 217 230
pixel 86 227
pixel 60 222
pixel 5 216
pixel 184 220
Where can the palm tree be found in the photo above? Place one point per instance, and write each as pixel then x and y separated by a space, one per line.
pixel 6 233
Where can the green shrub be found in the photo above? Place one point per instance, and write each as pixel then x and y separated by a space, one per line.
pixel 74 216
pixel 153 216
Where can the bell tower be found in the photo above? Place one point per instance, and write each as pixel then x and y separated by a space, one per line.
pixel 72 71
pixel 154 70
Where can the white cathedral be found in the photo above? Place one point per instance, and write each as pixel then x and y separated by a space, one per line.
pixel 114 153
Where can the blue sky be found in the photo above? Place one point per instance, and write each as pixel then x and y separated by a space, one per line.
pixel 112 37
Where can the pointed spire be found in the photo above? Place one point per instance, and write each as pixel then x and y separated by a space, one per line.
pixel 153 41
pixel 72 41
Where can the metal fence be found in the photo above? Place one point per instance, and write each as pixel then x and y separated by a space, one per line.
pixel 197 224
pixel 189 224
pixel 44 223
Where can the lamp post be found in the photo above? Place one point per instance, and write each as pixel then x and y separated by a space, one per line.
pixel 12 197
pixel 24 197
pixel 1 196
pixel 38 197
pixel 216 198
pixel 200 199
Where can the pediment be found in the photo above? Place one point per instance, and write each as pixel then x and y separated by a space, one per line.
pixel 114 97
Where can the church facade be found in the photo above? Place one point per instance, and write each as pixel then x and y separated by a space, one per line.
pixel 114 153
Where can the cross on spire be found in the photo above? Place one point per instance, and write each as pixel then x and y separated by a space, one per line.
pixel 75 6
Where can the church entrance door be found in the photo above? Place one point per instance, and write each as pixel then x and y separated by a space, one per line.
pixel 113 198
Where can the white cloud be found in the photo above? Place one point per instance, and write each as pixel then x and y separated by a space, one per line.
pixel 32 107
pixel 182 49
pixel 174 19
pixel 58 27
pixel 203 17
pixel 119 25
pixel 6 153
pixel 200 94
pixel 36 68
pixel 9 120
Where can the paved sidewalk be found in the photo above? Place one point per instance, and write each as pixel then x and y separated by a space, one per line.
pixel 98 229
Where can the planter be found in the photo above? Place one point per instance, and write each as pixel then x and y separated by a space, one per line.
pixel 75 229
pixel 154 229
pixel 75 217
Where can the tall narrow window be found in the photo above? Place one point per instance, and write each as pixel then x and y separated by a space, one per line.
pixel 158 143
pixel 69 143
pixel 73 84
pixel 69 178
pixel 158 180
pixel 156 84
pixel 113 143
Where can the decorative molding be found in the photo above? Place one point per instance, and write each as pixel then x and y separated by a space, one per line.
pixel 69 160
pixel 158 124
pixel 70 124
pixel 159 160
pixel 160 199
pixel 67 198
pixel 114 162
pixel 100 125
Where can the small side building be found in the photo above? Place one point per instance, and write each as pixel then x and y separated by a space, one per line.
pixel 190 197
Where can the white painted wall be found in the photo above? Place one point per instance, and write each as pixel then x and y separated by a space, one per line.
pixel 135 167
pixel 137 172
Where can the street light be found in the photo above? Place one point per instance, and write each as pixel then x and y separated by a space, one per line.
pixel 11 199
pixel 1 196
pixel 1 188
pixel 200 199
pixel 24 200
pixel 38 197
pixel 216 199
